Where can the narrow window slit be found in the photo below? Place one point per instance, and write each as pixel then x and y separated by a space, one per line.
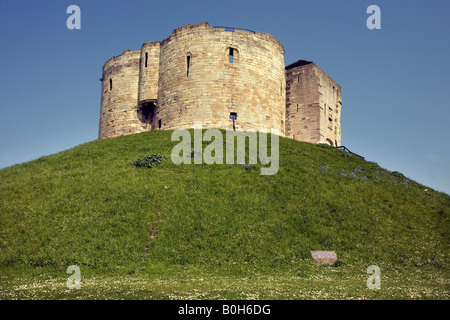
pixel 231 55
pixel 146 59
pixel 188 60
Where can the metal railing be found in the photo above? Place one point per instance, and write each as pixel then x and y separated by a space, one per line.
pixel 232 29
pixel 346 149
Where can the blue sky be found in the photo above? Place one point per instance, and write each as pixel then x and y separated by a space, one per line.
pixel 395 81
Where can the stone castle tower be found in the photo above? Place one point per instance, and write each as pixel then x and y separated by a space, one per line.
pixel 204 73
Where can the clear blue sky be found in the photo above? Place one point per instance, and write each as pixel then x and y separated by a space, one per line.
pixel 395 81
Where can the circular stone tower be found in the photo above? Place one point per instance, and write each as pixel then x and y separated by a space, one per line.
pixel 207 73
pixel 120 86
pixel 148 84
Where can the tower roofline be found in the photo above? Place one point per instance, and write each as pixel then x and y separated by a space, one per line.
pixel 298 63
pixel 301 62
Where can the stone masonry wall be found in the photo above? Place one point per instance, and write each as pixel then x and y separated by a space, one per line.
pixel 302 104
pixel 203 73
pixel 330 97
pixel 312 98
pixel 149 71
pixel 120 82
pixel 252 85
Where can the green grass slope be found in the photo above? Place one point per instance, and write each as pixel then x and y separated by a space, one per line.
pixel 90 206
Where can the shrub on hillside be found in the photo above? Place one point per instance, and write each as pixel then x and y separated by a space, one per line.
pixel 150 160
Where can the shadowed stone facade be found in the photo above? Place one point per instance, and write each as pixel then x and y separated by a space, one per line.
pixel 204 73
pixel 313 104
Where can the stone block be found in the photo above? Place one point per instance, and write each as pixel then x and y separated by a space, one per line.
pixel 328 257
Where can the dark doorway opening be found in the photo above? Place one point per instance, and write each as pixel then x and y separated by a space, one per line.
pixel 147 111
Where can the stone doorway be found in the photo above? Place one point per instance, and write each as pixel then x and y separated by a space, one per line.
pixel 146 112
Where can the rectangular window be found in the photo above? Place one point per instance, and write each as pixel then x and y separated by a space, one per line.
pixel 110 84
pixel 159 124
pixel 146 59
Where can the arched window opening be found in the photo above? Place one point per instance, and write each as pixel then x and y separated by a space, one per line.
pixel 231 55
pixel 330 142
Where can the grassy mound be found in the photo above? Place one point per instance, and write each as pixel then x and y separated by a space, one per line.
pixel 92 206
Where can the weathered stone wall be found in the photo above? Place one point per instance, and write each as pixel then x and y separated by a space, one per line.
pixel 149 71
pixel 330 97
pixel 120 86
pixel 148 85
pixel 312 98
pixel 211 87
pixel 302 104
pixel 190 77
